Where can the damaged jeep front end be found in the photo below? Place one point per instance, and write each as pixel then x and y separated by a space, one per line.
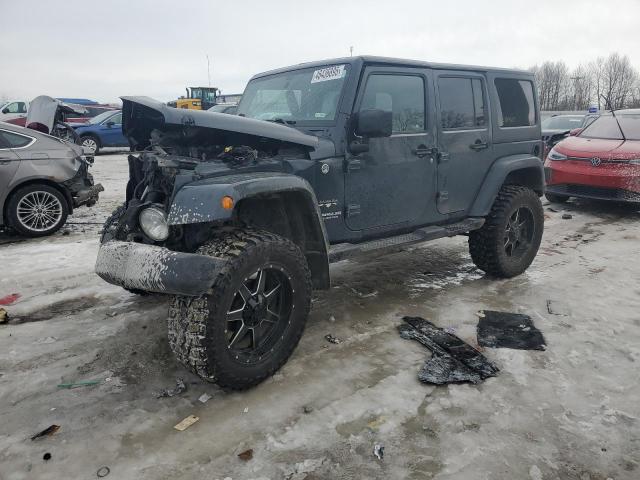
pixel 189 163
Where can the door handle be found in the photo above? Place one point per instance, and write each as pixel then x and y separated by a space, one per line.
pixel 478 145
pixel 421 151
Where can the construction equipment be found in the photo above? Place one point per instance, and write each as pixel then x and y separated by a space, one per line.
pixel 198 98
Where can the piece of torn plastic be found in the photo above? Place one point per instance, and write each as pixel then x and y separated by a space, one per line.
pixel 378 451
pixel 46 432
pixel 331 339
pixel 246 455
pixel 86 383
pixel 509 330
pixel 204 398
pixel 180 387
pixel 10 299
pixel 452 360
pixel 186 423
pixel 555 308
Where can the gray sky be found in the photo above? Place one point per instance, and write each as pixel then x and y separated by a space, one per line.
pixel 101 50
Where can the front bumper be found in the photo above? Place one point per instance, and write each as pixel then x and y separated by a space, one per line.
pixel 156 269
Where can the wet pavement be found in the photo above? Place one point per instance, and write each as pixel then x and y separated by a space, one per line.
pixel 568 412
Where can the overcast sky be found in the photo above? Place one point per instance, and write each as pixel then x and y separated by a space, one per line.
pixel 105 49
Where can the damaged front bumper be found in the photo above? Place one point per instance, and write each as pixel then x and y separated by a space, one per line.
pixel 151 268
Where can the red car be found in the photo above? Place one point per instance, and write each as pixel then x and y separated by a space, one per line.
pixel 601 161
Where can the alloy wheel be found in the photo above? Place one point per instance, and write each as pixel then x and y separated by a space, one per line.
pixel 90 144
pixel 39 211
pixel 519 232
pixel 259 313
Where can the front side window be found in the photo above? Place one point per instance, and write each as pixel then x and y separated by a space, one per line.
pixel 461 103
pixel 516 107
pixel 14 140
pixel 116 119
pixel 402 95
pixel 15 107
pixel 310 95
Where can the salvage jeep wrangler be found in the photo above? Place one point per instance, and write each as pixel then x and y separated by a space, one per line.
pixel 238 216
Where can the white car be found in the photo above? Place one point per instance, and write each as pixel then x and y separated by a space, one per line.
pixel 13 109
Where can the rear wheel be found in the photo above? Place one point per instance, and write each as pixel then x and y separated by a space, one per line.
pixel 91 143
pixel 508 241
pixel 554 198
pixel 246 328
pixel 37 210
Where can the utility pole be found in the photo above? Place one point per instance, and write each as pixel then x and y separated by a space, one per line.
pixel 208 71
pixel 351 51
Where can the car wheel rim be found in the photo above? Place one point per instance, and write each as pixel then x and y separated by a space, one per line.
pixel 39 211
pixel 90 143
pixel 259 314
pixel 518 235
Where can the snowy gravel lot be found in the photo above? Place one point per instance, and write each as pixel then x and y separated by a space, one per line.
pixel 570 412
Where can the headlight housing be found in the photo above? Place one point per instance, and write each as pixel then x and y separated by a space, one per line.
pixel 555 155
pixel 154 223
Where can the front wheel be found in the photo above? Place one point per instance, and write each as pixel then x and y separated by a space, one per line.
pixel 37 210
pixel 508 242
pixel 91 143
pixel 248 325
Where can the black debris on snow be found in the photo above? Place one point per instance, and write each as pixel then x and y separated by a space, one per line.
pixel 509 330
pixel 453 360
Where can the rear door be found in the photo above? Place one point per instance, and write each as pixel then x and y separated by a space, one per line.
pixel 464 139
pixel 9 159
pixel 391 185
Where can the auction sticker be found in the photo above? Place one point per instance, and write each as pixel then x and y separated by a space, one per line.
pixel 329 73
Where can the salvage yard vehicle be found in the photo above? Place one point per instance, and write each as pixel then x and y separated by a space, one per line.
pixel 13 109
pixel 238 216
pixel 104 130
pixel 42 179
pixel 601 161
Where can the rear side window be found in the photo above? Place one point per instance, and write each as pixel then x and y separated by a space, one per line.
pixel 461 102
pixel 403 95
pixel 13 140
pixel 516 107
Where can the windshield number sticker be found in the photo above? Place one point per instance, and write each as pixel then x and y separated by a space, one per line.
pixel 329 73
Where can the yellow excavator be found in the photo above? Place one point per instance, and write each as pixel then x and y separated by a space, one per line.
pixel 198 98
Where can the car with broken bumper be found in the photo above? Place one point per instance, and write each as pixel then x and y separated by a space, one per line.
pixel 42 180
pixel 238 217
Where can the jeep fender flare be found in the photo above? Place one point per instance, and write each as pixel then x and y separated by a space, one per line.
pixel 201 202
pixel 525 170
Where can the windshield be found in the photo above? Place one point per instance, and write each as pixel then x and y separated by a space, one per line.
pixel 563 122
pixel 102 117
pixel 309 95
pixel 606 127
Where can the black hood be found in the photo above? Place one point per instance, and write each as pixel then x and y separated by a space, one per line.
pixel 142 115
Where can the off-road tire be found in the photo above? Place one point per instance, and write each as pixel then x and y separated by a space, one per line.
pixel 24 192
pixel 110 227
pixel 554 198
pixel 196 325
pixel 486 245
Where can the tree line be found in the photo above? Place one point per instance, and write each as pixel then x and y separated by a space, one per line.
pixel 607 82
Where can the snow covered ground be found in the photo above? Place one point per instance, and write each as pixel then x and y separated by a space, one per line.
pixel 570 412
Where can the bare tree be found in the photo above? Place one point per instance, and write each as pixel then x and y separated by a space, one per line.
pixel 552 79
pixel 582 88
pixel 618 78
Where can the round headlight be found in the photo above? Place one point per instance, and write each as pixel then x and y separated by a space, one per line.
pixel 154 224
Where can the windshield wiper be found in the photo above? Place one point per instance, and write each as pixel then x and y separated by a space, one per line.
pixel 619 126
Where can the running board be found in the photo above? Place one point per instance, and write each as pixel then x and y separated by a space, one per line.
pixel 342 251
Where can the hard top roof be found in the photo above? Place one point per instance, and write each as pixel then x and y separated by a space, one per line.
pixel 400 62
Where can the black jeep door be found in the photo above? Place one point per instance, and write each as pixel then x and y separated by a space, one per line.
pixel 391 185
pixel 464 139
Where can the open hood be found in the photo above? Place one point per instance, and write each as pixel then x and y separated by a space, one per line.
pixel 45 111
pixel 142 115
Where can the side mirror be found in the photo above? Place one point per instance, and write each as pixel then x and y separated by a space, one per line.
pixel 575 132
pixel 110 124
pixel 5 110
pixel 373 123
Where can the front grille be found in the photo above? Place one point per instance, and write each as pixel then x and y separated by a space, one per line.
pixel 595 192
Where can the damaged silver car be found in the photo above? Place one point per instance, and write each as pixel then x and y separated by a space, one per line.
pixel 42 179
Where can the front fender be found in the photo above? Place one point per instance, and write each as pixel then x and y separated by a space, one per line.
pixel 520 169
pixel 201 201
